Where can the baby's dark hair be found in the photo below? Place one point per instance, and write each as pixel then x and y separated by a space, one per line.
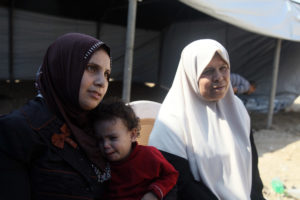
pixel 113 108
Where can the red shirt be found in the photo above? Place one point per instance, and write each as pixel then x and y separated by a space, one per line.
pixel 143 171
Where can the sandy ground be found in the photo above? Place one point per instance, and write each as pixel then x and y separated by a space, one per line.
pixel 279 150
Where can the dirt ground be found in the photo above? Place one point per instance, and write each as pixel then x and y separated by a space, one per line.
pixel 279 151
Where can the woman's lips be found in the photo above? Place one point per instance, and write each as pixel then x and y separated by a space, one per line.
pixel 95 95
pixel 218 87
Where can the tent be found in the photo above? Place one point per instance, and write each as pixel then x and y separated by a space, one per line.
pixel 159 41
pixel 279 20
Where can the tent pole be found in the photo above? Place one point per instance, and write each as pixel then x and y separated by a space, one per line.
pixel 129 50
pixel 11 42
pixel 98 27
pixel 274 82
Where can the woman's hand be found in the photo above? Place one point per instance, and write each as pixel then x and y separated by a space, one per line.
pixel 149 196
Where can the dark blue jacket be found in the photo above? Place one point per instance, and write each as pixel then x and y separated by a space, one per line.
pixel 32 168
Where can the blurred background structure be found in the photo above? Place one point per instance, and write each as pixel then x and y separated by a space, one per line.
pixel 163 28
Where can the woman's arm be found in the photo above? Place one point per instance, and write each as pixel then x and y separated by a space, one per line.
pixel 14 175
pixel 14 179
pixel 18 145
pixel 187 187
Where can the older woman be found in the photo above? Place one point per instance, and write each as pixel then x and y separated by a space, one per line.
pixel 203 129
pixel 47 150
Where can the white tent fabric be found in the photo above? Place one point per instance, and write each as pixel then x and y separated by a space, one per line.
pixel 275 18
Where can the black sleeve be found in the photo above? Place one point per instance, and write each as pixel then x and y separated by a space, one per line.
pixel 187 187
pixel 16 150
pixel 14 179
pixel 257 185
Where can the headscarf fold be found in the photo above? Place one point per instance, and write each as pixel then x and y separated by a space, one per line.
pixel 212 135
pixel 59 83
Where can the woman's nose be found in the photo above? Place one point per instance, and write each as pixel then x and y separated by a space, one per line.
pixel 217 75
pixel 100 80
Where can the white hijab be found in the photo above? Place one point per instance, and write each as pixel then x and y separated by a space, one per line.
pixel 212 136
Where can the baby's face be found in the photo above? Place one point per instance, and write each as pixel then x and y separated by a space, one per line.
pixel 115 139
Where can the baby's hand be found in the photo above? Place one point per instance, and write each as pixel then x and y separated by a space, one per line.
pixel 149 196
pixel 235 90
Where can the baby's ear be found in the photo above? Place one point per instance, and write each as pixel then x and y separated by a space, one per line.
pixel 134 134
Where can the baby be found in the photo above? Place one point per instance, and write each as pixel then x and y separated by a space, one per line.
pixel 137 172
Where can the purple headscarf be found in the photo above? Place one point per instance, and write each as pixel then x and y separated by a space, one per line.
pixel 59 83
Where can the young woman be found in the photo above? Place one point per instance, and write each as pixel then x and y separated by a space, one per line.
pixel 203 129
pixel 47 150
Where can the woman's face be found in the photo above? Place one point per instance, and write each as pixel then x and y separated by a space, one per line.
pixel 215 79
pixel 94 82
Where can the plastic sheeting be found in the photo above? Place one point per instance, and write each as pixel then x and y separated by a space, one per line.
pixel 32 35
pixel 4 71
pixel 34 32
pixel 275 18
pixel 251 55
pixel 156 54
pixel 146 52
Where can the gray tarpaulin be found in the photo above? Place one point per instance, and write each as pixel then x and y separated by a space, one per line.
pixel 32 35
pixel 34 32
pixel 251 55
pixel 157 53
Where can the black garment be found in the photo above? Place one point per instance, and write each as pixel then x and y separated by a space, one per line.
pixel 257 185
pixel 32 168
pixel 189 188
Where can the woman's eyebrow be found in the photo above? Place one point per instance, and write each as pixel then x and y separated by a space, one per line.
pixel 99 66
pixel 91 63
pixel 208 68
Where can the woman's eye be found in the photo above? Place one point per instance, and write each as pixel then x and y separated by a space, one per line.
pixel 91 68
pixel 208 72
pixel 107 75
pixel 224 68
